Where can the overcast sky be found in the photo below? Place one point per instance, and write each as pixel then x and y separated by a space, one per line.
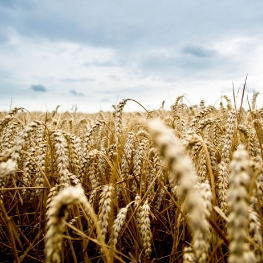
pixel 95 53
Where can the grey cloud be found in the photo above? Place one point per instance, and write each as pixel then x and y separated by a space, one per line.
pixel 126 25
pixel 38 88
pixel 162 67
pixel 14 4
pixel 201 64
pixel 177 64
pixel 8 3
pixel 102 30
pixel 75 93
pixel 198 51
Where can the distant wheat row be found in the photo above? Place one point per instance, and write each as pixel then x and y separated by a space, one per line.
pixel 184 185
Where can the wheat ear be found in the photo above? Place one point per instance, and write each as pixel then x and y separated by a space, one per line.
pixel 118 224
pixel 57 215
pixel 145 229
pixel 106 199
pixel 238 205
pixel 182 172
pixel 7 168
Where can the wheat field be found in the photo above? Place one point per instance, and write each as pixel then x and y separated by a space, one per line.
pixel 184 185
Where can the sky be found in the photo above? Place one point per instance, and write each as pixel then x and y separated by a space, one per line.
pixel 93 54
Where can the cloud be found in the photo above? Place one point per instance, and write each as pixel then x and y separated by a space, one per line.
pixel 198 51
pixel 81 80
pixel 15 5
pixel 117 24
pixel 3 37
pixel 159 63
pixel 173 66
pixel 106 100
pixel 38 88
pixel 125 50
pixel 114 78
pixel 115 61
pixel 123 91
pixel 75 93
pixel 7 3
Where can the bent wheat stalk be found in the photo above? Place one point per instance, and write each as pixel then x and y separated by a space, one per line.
pixel 182 173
